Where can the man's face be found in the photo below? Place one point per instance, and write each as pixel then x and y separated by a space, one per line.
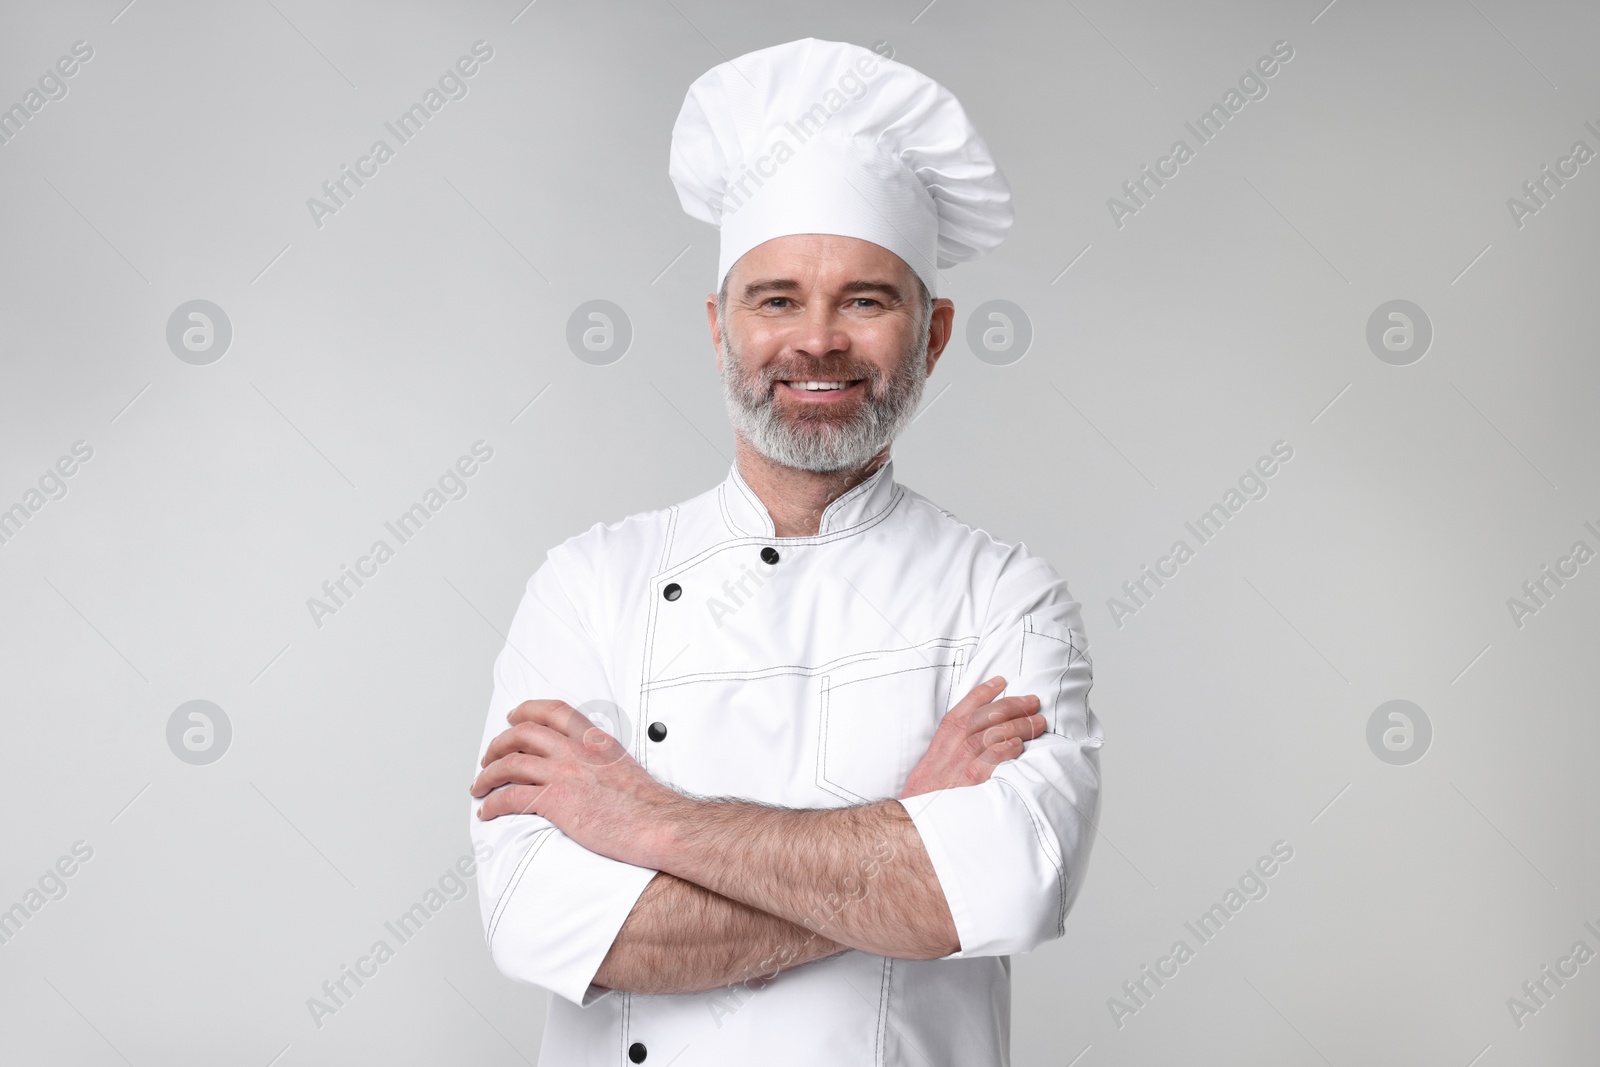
pixel 823 349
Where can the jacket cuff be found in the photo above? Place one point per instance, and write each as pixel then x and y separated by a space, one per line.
pixel 1000 879
pixel 560 915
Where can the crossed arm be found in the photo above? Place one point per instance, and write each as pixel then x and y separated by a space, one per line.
pixel 746 890
pixel 683 938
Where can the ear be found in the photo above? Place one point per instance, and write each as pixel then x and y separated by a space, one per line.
pixel 715 327
pixel 941 324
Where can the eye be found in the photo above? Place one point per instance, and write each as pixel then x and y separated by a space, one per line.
pixel 865 301
pixel 776 302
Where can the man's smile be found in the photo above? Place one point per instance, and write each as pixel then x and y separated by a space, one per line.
pixel 822 391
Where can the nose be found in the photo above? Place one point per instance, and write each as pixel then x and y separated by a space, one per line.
pixel 819 331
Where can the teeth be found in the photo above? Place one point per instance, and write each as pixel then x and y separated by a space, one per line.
pixel 819 385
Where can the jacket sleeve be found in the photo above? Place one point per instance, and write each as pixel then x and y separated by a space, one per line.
pixel 551 908
pixel 1011 853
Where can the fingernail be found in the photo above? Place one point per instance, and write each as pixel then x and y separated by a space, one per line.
pixel 996 680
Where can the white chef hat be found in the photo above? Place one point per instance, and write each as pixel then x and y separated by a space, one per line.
pixel 826 137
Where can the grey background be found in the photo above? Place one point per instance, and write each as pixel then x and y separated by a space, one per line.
pixel 370 353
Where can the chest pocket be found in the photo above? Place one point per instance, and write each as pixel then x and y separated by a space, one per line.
pixel 876 717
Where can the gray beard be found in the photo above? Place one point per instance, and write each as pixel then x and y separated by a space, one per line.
pixel 824 442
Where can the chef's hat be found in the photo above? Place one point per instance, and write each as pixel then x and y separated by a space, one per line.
pixel 824 137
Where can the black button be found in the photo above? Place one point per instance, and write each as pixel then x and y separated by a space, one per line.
pixel 637 1052
pixel 671 592
pixel 769 555
pixel 658 731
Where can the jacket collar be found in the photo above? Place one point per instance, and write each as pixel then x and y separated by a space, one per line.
pixel 863 503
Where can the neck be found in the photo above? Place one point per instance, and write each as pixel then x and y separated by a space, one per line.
pixel 797 498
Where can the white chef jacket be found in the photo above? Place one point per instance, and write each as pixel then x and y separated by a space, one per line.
pixel 808 672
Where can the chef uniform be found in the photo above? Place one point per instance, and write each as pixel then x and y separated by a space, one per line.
pixel 807 672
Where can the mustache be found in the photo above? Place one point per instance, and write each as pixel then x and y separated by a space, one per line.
pixel 771 375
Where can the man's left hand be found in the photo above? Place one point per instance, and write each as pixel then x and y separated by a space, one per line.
pixel 555 763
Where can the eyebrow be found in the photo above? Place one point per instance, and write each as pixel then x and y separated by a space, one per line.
pixel 770 286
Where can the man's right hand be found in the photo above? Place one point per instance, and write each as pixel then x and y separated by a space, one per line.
pixel 975 736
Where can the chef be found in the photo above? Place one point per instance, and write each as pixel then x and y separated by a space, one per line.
pixel 784 774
